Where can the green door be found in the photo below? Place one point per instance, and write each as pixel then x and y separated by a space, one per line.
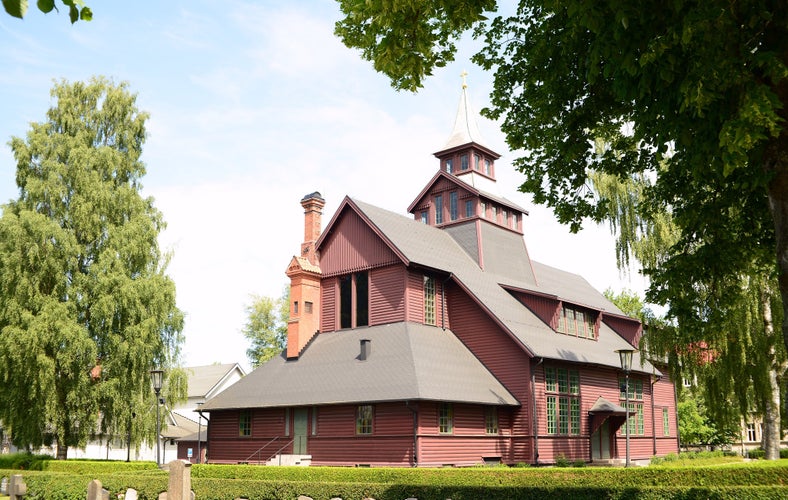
pixel 299 431
pixel 600 442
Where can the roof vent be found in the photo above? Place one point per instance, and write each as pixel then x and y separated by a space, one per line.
pixel 366 349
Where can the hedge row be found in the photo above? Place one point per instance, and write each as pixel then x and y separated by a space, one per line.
pixel 58 486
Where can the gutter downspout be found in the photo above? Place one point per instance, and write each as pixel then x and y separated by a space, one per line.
pixel 653 414
pixel 443 302
pixel 415 433
pixel 535 419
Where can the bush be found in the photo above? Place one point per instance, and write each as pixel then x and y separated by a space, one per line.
pixel 562 461
pixel 756 454
pixel 24 461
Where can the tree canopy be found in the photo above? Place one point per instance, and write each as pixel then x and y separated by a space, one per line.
pixel 266 326
pixel 691 93
pixel 86 309
pixel 77 10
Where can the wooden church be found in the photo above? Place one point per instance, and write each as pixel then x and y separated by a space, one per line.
pixel 434 340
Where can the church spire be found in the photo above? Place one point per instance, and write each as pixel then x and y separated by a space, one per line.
pixel 466 128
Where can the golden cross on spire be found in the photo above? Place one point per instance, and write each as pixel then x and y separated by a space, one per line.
pixel 463 75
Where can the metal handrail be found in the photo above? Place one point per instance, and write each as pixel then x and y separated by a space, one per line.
pixel 257 452
pixel 280 449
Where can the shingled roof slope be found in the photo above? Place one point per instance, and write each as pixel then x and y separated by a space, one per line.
pixel 435 248
pixel 408 361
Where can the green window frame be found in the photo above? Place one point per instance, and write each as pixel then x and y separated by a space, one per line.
pixel 563 406
pixel 365 415
pixel 446 418
pixel 244 423
pixel 491 420
pixel 552 416
pixel 665 421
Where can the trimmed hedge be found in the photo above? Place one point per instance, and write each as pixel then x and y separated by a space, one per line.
pixel 66 480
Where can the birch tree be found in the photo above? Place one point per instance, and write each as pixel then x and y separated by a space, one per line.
pixel 86 308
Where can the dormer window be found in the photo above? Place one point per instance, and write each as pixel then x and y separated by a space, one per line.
pixel 576 322
pixel 425 217
pixel 464 162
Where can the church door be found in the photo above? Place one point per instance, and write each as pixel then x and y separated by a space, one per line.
pixel 299 431
pixel 600 442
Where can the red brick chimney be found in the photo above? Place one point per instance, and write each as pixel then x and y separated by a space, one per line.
pixel 304 273
pixel 313 210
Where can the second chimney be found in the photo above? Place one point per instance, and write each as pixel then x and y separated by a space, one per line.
pixel 313 205
pixel 366 349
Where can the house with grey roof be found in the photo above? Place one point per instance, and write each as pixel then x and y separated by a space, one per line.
pixel 432 339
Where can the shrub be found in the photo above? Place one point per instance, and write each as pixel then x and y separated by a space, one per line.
pixel 579 463
pixel 562 461
pixel 24 461
pixel 757 454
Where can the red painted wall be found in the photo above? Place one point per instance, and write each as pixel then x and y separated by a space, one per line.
pixel 352 246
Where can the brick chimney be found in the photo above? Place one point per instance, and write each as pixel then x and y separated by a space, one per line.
pixel 304 273
pixel 313 205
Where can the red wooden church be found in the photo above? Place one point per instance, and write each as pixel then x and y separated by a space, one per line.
pixel 434 340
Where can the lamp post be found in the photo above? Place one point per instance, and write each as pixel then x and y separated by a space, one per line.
pixel 156 377
pixel 199 432
pixel 625 356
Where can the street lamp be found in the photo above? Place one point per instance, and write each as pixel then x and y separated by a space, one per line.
pixel 156 377
pixel 199 431
pixel 625 356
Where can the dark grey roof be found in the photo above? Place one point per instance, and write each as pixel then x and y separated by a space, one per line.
pixel 408 361
pixel 602 405
pixel 435 248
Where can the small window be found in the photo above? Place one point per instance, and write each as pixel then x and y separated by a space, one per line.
pixel 429 300
pixel 446 418
pixel 448 165
pixel 484 210
pixel 245 423
pixel 491 420
pixel 308 307
pixel 364 415
pixel 295 307
pixel 425 217
pixel 665 421
pixel 477 162
pixel 439 209
pixel 495 213
pixel 453 208
pixel 314 420
pixel 464 162
pixel 515 221
pixel 505 216
pixel 488 167
pixel 469 208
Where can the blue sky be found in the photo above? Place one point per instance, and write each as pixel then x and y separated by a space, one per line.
pixel 253 105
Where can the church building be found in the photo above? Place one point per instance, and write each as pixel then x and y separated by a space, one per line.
pixel 434 340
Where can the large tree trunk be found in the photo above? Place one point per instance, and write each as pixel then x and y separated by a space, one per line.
pixel 770 437
pixel 62 451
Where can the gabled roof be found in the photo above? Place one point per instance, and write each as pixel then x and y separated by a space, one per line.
pixel 464 185
pixel 203 380
pixel 407 361
pixel 427 246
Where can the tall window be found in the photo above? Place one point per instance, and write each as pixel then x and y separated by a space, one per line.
pixel 468 208
pixel 464 162
pixel 445 418
pixel 488 167
pixel 354 300
pixel 453 208
pixel 636 423
pixel 751 435
pixel 439 209
pixel 505 216
pixel 484 210
pixel 245 423
pixel 495 213
pixel 448 166
pixel 665 421
pixel 364 415
pixel 491 420
pixel 574 321
pixel 477 162
pixel 429 300
pixel 425 217
pixel 562 389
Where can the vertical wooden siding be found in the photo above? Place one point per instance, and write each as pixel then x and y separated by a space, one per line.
pixel 353 246
pixel 387 294
pixel 545 308
pixel 630 329
pixel 328 304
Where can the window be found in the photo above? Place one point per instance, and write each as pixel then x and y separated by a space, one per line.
pixel 469 208
pixel 576 322
pixel 445 418
pixel 505 216
pixel 314 420
pixel 477 162
pixel 515 222
pixel 425 217
pixel 364 414
pixel 308 307
pixel 429 300
pixel 245 423
pixel 354 289
pixel 488 167
pixel 491 420
pixel 453 209
pixel 464 162
pixel 484 210
pixel 495 213
pixel 635 422
pixel 295 307
pixel 665 421
pixel 563 406
pixel 751 435
pixel 439 209
pixel 448 165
